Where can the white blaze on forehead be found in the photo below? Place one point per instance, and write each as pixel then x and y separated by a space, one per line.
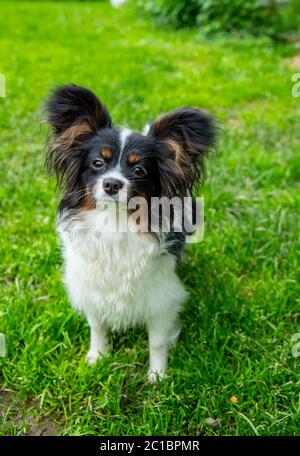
pixel 146 129
pixel 124 135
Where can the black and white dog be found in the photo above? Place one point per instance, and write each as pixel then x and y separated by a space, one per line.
pixel 116 278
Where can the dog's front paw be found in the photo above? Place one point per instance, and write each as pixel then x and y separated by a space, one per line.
pixel 156 376
pixel 92 357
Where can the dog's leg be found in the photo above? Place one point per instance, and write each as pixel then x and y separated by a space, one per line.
pixel 99 344
pixel 162 334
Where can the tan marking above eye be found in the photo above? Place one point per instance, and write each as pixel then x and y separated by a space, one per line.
pixel 133 158
pixel 106 153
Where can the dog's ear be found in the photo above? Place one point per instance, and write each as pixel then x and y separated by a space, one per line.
pixel 71 105
pixel 184 136
pixel 73 113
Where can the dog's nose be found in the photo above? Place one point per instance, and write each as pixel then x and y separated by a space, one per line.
pixel 112 186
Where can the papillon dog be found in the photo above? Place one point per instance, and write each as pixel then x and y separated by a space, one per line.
pixel 122 278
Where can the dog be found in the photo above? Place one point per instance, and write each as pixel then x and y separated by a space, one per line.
pixel 120 279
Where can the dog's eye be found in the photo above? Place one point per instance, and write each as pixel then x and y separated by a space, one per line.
pixel 138 171
pixel 97 164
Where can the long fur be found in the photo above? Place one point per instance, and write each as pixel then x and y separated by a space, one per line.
pixel 122 279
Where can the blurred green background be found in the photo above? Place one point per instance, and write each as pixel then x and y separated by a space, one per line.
pixel 234 359
pixel 275 18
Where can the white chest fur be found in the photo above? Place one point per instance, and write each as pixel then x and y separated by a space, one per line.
pixel 122 279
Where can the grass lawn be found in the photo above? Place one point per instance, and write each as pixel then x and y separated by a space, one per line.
pixel 243 278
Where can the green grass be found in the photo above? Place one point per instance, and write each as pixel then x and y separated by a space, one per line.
pixel 244 276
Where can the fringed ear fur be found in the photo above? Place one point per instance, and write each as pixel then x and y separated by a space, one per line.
pixel 184 137
pixel 73 113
